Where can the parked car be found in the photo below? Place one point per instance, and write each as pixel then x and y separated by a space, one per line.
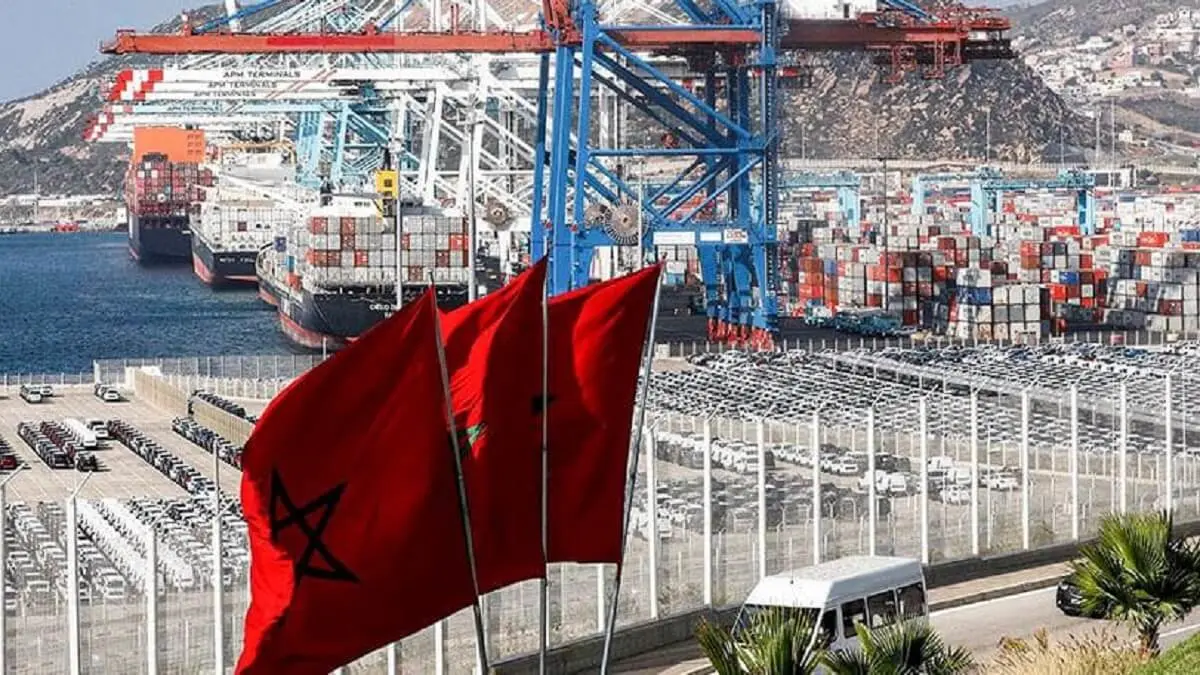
pixel 1070 601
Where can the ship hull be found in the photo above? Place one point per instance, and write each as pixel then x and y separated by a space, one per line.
pixel 330 321
pixel 159 240
pixel 223 269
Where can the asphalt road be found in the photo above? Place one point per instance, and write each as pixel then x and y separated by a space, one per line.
pixel 978 627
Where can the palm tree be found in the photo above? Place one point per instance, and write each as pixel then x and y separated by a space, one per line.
pixel 905 648
pixel 774 642
pixel 1139 573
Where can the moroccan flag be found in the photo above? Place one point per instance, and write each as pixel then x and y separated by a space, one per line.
pixel 492 351
pixel 351 500
pixel 596 336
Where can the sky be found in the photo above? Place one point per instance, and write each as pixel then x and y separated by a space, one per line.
pixel 44 41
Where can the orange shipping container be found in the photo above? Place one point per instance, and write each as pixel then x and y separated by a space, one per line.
pixel 179 145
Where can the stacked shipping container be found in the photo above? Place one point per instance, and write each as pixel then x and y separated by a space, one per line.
pixel 345 251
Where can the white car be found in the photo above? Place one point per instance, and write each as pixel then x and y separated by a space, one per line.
pixel 845 467
pixel 1003 482
pixel 956 494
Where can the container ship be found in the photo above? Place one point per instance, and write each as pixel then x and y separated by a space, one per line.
pixel 336 276
pixel 162 186
pixel 227 237
pixel 266 270
pixel 237 219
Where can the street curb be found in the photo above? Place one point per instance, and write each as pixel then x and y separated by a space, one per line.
pixel 962 601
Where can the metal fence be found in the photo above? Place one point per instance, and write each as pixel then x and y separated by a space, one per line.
pixel 734 484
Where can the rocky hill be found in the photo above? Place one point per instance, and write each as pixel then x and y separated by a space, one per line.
pixel 853 112
pixel 1064 22
pixel 850 112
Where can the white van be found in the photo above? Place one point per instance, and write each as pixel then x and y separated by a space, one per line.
pixel 873 590
pixel 85 436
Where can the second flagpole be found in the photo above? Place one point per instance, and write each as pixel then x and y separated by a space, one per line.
pixel 631 478
pixel 544 582
pixel 476 608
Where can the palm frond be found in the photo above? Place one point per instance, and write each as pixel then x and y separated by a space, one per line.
pixel 1140 573
pixel 776 642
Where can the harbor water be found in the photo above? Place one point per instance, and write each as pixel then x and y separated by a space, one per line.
pixel 66 299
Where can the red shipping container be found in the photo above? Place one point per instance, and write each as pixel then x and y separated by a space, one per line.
pixel 360 259
pixel 441 258
pixel 404 242
pixel 1153 239
pixel 348 242
pixel 346 226
pixel 458 242
pixel 318 225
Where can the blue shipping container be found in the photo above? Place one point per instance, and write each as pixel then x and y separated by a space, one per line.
pixel 1069 277
pixel 281 244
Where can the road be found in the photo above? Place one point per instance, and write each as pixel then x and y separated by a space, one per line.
pixel 978 627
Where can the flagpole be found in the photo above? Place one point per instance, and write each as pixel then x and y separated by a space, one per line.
pixel 544 582
pixel 631 479
pixel 464 510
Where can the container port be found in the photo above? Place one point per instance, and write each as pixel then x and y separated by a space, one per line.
pixel 964 363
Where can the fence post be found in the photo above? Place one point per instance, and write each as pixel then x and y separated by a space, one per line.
pixel 923 414
pixel 1168 443
pixel 975 473
pixel 151 601
pixel 872 490
pixel 1123 449
pixel 439 647
pixel 1074 462
pixel 761 434
pixel 652 512
pixel 815 452
pixel 1025 403
pixel 708 514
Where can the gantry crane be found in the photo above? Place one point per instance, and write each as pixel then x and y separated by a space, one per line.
pixel 728 135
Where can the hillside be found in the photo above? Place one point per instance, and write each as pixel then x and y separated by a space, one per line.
pixel 850 112
pixel 1064 22
pixel 1141 55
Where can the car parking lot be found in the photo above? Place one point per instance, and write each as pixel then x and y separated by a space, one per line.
pixel 164 481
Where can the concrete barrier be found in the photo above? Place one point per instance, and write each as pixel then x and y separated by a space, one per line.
pixel 233 428
pixel 584 656
pixel 156 391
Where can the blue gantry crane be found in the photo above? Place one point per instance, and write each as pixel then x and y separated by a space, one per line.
pixel 987 191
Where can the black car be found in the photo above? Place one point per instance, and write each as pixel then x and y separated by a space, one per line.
pixel 1070 601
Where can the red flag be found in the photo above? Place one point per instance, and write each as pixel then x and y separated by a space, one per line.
pixel 351 500
pixel 493 347
pixel 596 338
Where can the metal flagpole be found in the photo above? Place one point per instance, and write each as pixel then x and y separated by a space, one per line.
pixel 477 610
pixel 639 423
pixel 544 582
